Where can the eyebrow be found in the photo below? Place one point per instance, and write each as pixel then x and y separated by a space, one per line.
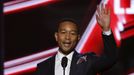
pixel 71 30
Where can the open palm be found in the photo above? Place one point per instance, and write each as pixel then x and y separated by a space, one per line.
pixel 103 17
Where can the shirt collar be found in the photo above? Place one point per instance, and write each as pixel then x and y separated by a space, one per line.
pixel 61 55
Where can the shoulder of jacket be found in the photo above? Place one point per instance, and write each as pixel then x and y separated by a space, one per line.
pixel 91 54
pixel 46 61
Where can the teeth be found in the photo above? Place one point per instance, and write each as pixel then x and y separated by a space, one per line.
pixel 67 43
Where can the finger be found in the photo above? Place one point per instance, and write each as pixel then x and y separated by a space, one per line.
pixel 105 9
pixel 98 15
pixel 97 18
pixel 102 9
pixel 98 10
pixel 109 11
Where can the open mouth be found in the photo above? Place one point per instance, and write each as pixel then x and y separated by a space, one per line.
pixel 67 44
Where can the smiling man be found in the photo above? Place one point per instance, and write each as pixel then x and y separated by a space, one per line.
pixel 67 36
pixel 68 62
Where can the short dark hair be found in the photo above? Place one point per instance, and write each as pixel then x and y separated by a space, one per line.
pixel 70 20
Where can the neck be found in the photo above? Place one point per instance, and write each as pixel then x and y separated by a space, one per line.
pixel 65 53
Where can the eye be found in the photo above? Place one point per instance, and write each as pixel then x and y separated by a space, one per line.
pixel 73 33
pixel 62 32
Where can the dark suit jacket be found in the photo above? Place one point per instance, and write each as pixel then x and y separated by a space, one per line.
pixel 91 66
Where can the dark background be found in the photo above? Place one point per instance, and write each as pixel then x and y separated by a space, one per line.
pixel 33 30
pixel 1 38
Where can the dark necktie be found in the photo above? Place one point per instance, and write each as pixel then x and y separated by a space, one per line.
pixel 64 63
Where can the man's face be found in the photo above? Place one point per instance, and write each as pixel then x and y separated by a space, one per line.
pixel 67 37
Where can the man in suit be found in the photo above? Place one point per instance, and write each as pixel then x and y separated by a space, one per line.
pixel 74 63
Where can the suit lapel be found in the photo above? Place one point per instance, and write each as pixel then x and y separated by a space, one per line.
pixel 52 66
pixel 80 68
pixel 73 63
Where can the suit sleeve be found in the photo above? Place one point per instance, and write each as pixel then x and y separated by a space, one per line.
pixel 109 55
pixel 38 70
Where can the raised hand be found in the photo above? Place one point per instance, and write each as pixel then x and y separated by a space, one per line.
pixel 103 17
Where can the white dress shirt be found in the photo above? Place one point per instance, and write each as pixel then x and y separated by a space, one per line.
pixel 58 67
pixel 108 33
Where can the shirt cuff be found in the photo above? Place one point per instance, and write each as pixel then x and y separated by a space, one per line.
pixel 108 33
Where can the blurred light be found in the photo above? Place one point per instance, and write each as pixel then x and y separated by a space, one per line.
pixel 23 67
pixel 131 9
pixel 131 74
pixel 86 34
pixel 29 58
pixel 120 26
pixel 127 34
pixel 13 6
pixel 117 33
pixel 24 63
pixel 117 8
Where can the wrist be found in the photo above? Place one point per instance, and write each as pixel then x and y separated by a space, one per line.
pixel 109 32
pixel 106 29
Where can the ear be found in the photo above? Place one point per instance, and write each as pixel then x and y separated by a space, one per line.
pixel 56 36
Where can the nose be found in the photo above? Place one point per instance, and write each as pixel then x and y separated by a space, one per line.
pixel 67 36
